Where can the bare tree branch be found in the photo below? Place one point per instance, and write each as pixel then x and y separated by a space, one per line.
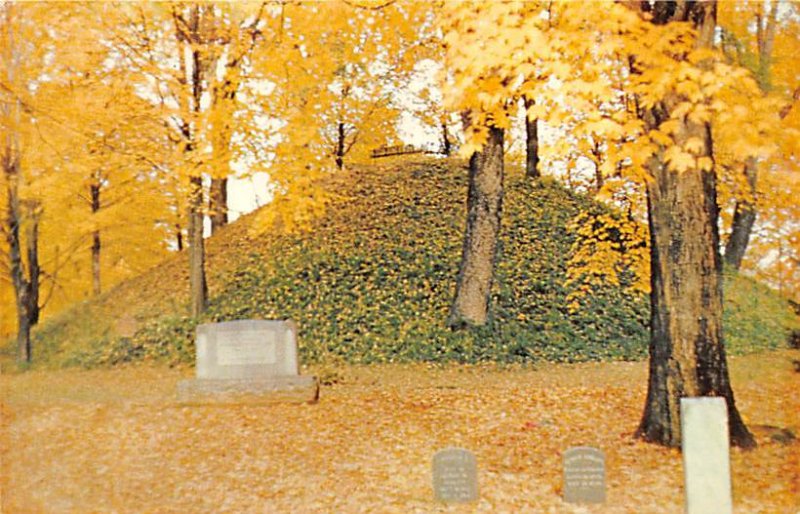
pixel 369 7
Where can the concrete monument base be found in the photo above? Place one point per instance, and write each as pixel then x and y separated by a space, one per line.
pixel 278 389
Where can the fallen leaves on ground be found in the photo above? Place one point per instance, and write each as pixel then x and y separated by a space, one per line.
pixel 117 441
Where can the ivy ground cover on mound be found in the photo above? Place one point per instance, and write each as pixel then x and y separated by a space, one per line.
pixel 373 279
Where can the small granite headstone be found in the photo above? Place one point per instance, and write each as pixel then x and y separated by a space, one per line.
pixel 706 461
pixel 247 360
pixel 584 475
pixel 455 476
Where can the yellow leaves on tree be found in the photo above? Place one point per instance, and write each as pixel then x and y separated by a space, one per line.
pixel 84 151
pixel 608 250
pixel 334 97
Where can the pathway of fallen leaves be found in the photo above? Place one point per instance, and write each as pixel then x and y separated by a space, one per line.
pixel 116 441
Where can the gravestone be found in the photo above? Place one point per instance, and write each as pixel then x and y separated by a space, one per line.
pixel 706 462
pixel 455 476
pixel 584 475
pixel 247 361
pixel 126 326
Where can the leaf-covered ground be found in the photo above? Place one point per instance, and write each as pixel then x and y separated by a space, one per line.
pixel 116 441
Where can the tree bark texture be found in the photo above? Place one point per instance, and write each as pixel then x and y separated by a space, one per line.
pixel 218 201
pixel 484 206
pixel 687 355
pixel 744 217
pixel 531 143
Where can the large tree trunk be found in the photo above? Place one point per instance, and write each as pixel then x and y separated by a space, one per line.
pixel 531 143
pixel 687 355
pixel 218 202
pixel 198 289
pixel 484 206
pixel 744 217
pixel 96 244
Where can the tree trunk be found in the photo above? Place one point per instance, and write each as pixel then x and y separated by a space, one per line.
pixel 447 145
pixel 597 154
pixel 599 180
pixel 340 145
pixel 26 282
pixel 26 288
pixel 218 202
pixel 484 206
pixel 531 142
pixel 13 222
pixel 687 355
pixel 744 214
pixel 179 236
pixel 744 217
pixel 34 270
pixel 95 198
pixel 198 289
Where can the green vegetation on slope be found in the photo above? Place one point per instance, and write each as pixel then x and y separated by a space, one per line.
pixel 755 317
pixel 373 282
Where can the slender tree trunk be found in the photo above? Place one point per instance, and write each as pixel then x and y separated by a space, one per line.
pixel 218 201
pixel 531 142
pixel 13 222
pixel 198 289
pixel 95 198
pixel 96 286
pixel 34 269
pixel 26 282
pixel 687 355
pixel 484 207
pixel 340 145
pixel 179 237
pixel 599 179
pixel 744 217
pixel 447 145
pixel 26 288
pixel 744 214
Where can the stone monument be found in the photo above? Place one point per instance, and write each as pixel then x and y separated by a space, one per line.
pixel 455 476
pixel 584 475
pixel 706 460
pixel 247 361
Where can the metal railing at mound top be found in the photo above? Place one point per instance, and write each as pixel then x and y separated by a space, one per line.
pixel 388 151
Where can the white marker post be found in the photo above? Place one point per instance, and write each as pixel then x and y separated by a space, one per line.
pixel 706 460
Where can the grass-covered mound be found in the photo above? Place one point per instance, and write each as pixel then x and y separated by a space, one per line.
pixel 373 281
